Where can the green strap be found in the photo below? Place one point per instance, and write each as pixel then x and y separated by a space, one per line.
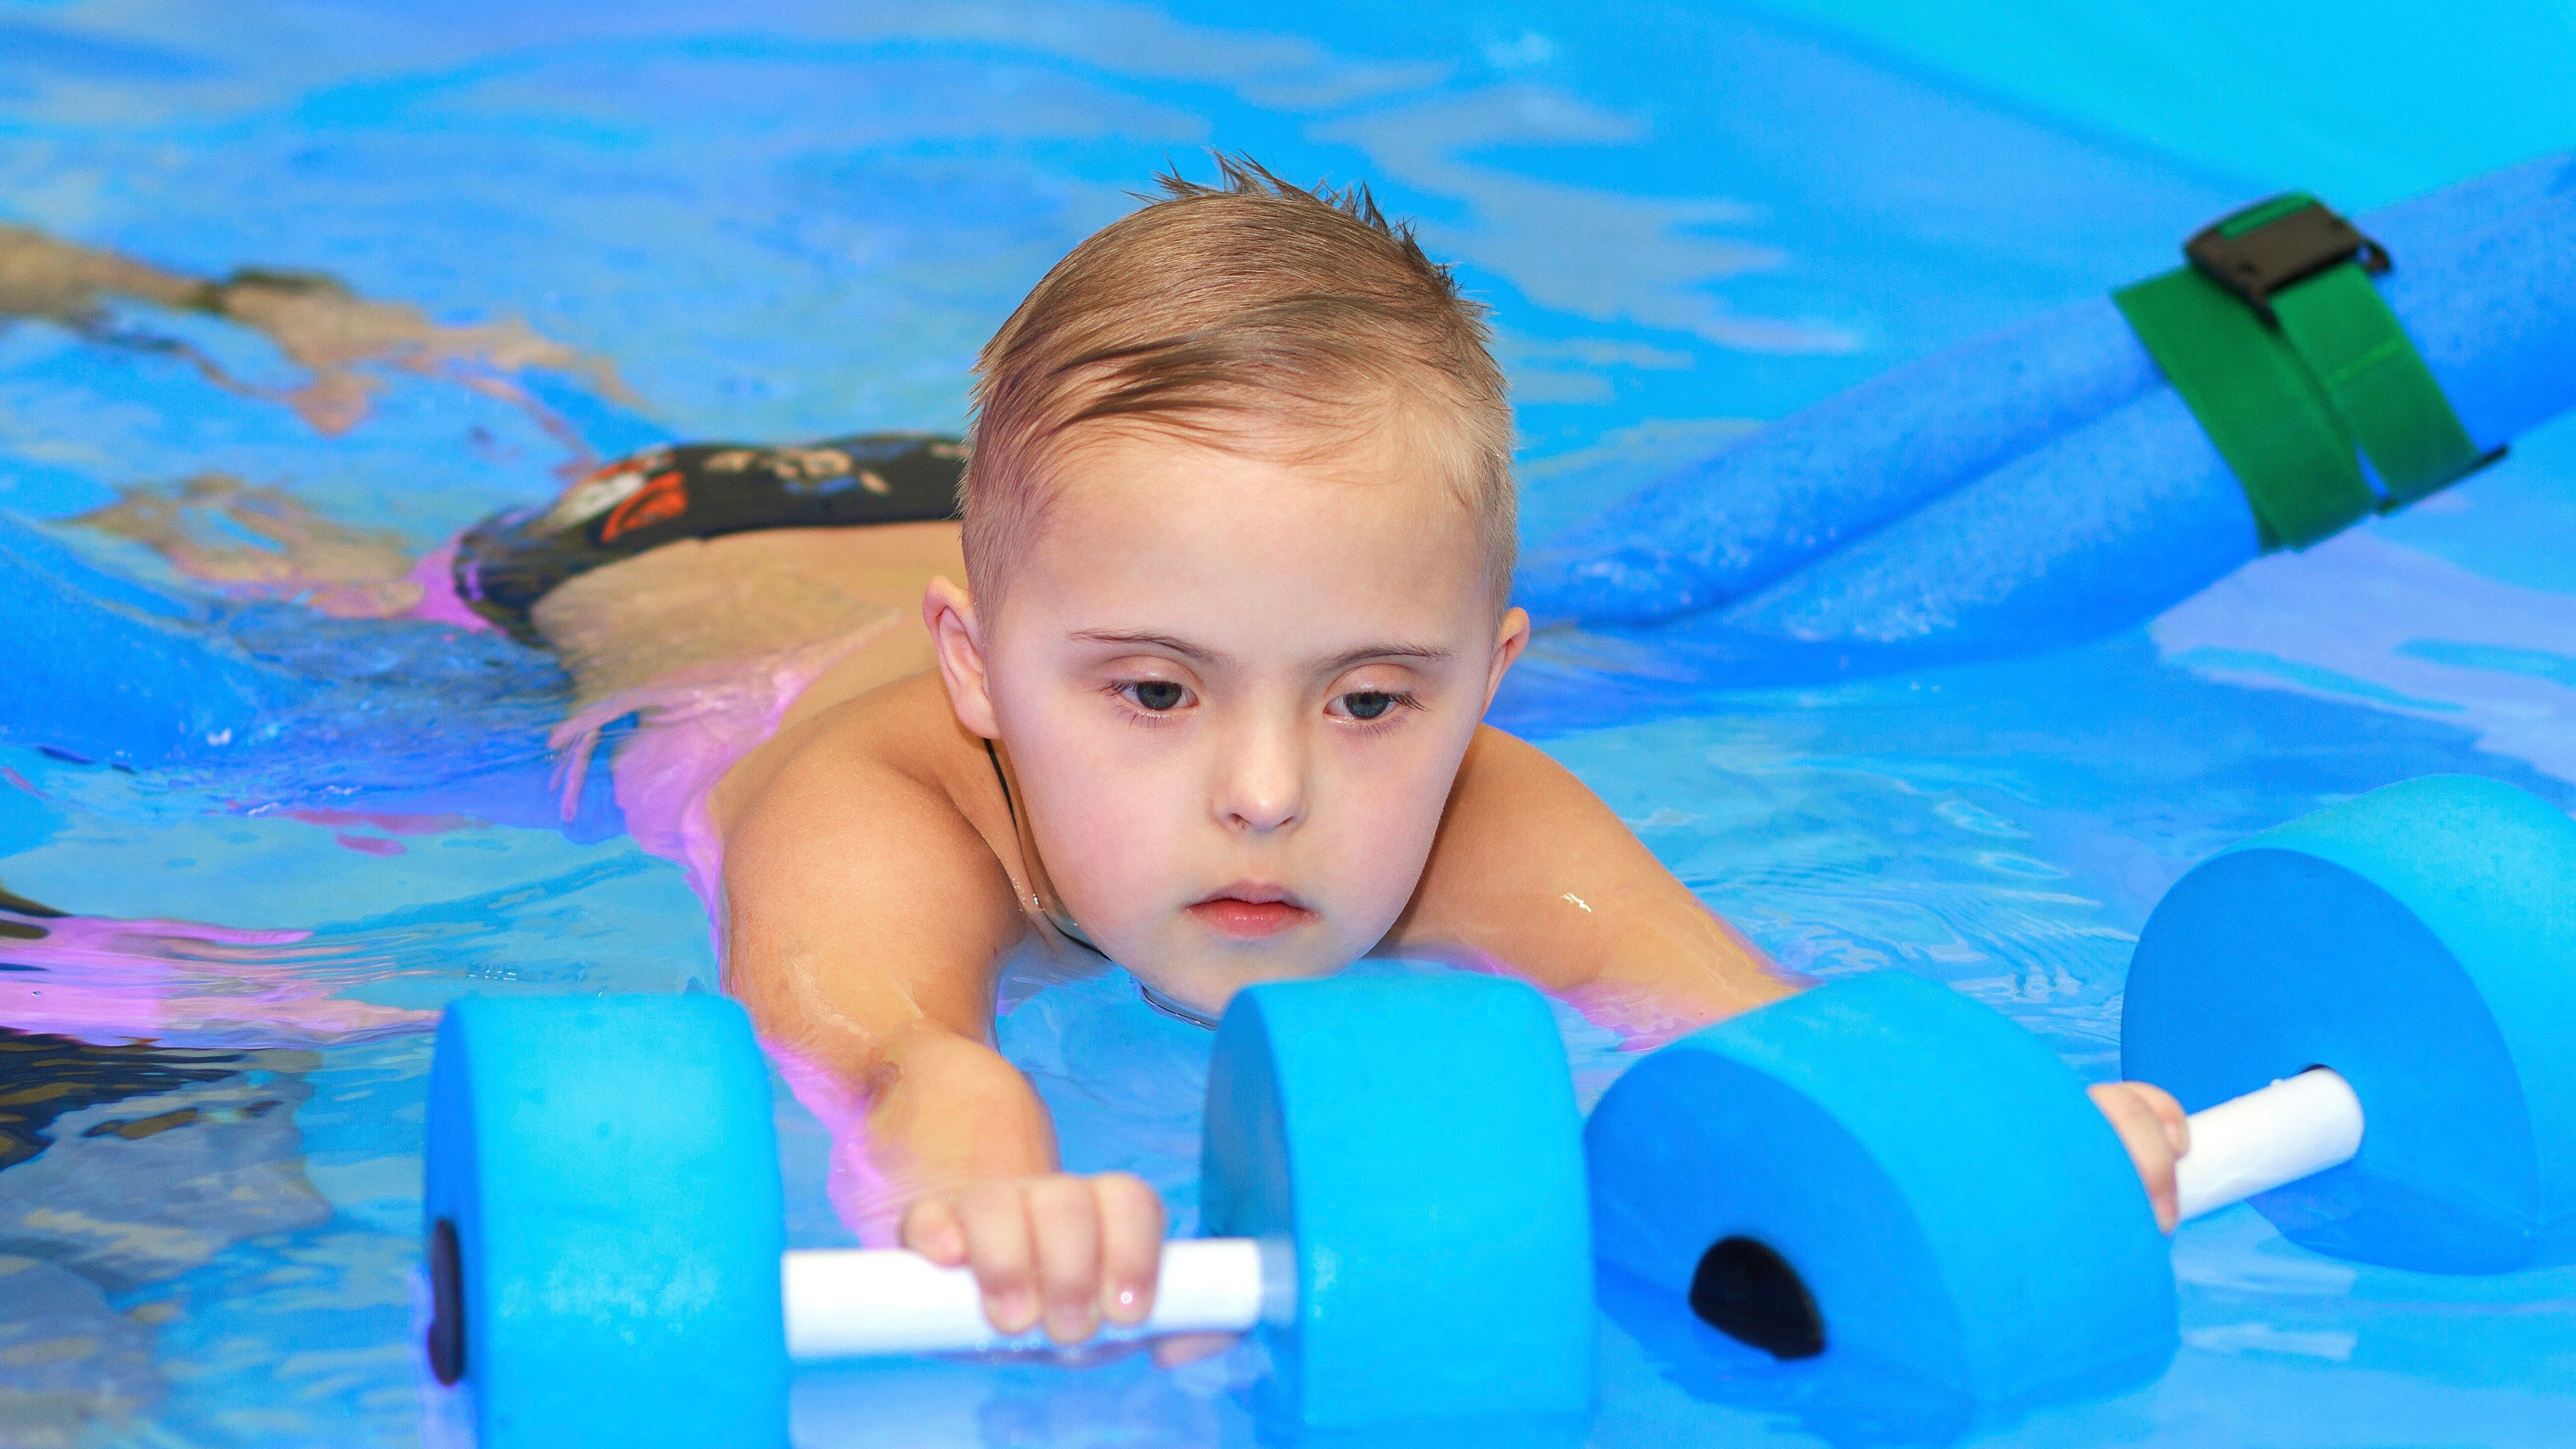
pixel 2294 381
pixel 2262 409
pixel 2352 344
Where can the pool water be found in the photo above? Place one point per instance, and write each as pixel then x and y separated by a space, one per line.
pixel 778 221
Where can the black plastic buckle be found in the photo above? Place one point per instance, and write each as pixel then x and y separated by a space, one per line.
pixel 2278 243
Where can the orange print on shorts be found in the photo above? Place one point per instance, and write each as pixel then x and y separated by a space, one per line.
pixel 661 499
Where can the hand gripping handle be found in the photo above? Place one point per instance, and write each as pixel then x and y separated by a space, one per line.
pixel 860 1303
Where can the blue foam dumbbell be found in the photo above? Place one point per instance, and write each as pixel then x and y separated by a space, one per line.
pixel 1884 1167
pixel 1397 1159
pixel 2420 942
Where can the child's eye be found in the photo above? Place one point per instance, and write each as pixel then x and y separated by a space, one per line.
pixel 1155 696
pixel 1369 704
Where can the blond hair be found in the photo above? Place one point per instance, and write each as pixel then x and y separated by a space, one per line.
pixel 1249 315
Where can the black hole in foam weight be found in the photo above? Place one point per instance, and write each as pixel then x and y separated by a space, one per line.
pixel 1749 1293
pixel 447 1304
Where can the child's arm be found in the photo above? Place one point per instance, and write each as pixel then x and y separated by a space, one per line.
pixel 1531 873
pixel 866 920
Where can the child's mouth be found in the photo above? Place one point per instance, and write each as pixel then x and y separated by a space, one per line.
pixel 1244 915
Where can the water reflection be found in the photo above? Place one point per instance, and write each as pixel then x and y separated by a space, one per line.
pixel 122 1167
pixel 1211 1404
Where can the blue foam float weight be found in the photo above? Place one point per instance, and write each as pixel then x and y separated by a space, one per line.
pixel 2419 940
pixel 1885 1167
pixel 602 1174
pixel 2365 1010
pixel 1416 1139
pixel 604 1218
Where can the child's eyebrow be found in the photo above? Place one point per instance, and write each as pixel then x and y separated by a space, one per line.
pixel 1182 647
pixel 1429 653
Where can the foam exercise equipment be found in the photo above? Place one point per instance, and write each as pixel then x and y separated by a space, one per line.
pixel 1393 1184
pixel 2419 940
pixel 1884 1168
pixel 2044 483
pixel 1887 1170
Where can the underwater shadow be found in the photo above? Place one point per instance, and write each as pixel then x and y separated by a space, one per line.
pixel 1849 1403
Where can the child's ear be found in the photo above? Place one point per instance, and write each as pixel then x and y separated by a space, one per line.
pixel 1514 637
pixel 949 613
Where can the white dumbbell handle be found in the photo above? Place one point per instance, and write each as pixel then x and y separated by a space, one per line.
pixel 868 1302
pixel 858 1303
pixel 2291 1129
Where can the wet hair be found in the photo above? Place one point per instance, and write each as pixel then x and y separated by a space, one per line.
pixel 1253 316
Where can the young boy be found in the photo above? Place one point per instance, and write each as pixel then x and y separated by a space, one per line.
pixel 1237 543
pixel 1197 689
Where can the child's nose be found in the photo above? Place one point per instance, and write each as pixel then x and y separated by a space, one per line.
pixel 1263 782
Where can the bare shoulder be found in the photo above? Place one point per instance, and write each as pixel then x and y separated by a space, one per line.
pixel 900 735
pixel 865 872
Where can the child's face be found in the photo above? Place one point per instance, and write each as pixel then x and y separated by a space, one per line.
pixel 1235 694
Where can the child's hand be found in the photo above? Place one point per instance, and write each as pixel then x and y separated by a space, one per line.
pixel 2152 1126
pixel 1056 1249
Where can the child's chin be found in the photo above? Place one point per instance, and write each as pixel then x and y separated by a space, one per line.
pixel 1210 980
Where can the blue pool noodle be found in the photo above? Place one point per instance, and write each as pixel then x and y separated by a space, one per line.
pixel 2043 483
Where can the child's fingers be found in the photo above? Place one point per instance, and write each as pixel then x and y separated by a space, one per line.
pixel 1061 1251
pixel 2142 1131
pixel 996 1219
pixel 2169 1114
pixel 1064 1222
pixel 1131 1245
pixel 930 1228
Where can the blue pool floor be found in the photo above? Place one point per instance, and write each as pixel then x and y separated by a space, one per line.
pixel 785 222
